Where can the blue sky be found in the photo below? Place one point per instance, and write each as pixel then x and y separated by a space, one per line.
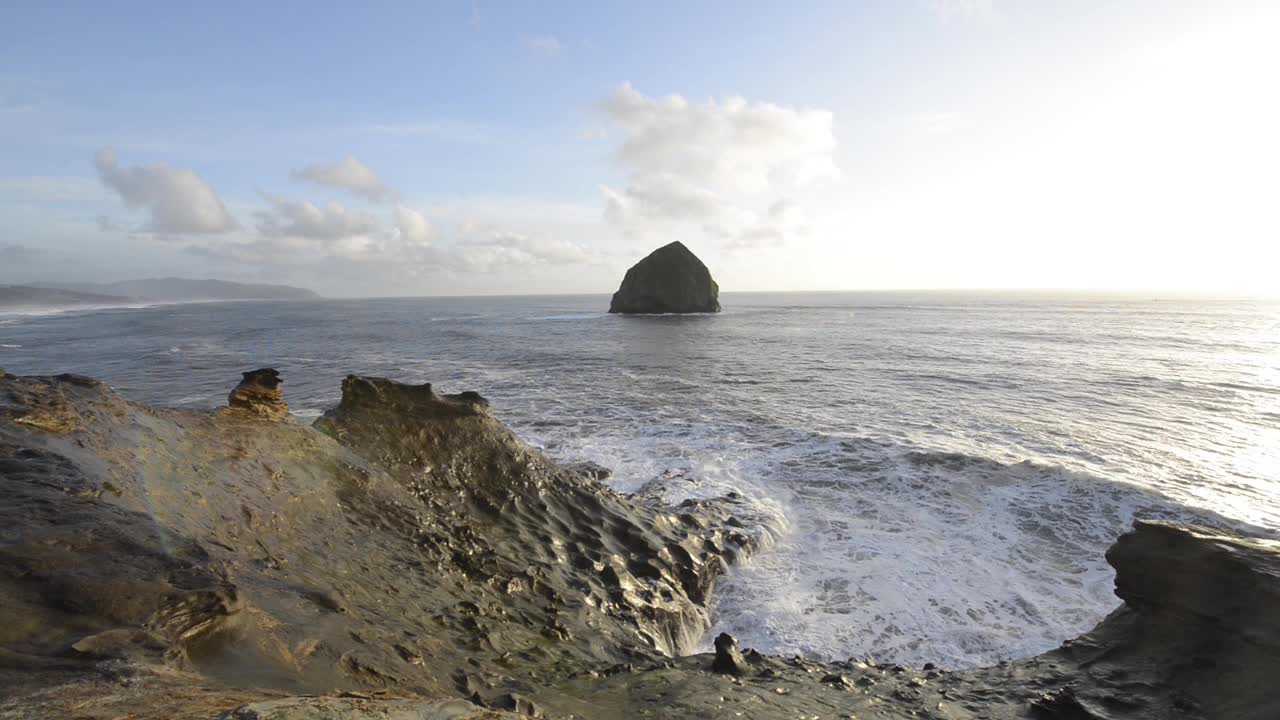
pixel 537 147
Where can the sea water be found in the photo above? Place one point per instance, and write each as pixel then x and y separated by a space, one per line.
pixel 949 467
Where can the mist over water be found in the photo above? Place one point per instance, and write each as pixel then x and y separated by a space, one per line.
pixel 951 466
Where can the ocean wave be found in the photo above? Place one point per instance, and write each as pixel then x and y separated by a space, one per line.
pixel 914 554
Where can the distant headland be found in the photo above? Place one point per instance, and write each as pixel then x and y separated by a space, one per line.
pixel 54 295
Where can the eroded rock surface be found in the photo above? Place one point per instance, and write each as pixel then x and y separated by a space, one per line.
pixel 671 279
pixel 410 557
pixel 259 393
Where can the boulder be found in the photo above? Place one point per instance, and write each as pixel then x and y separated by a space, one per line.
pixel 728 660
pixel 670 280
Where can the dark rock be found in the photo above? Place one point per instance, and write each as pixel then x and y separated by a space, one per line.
pixel 837 680
pixel 589 470
pixel 259 393
pixel 728 661
pixel 1174 570
pixel 671 279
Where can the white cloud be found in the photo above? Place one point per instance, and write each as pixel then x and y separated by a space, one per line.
pixel 178 201
pixel 412 225
pixel 542 44
pixel 731 144
pixel 662 197
pixel 306 220
pixel 349 174
pixel 295 234
pixel 714 163
pixel 783 219
pixel 503 250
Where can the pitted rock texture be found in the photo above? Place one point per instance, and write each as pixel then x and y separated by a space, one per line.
pixel 413 541
pixel 671 279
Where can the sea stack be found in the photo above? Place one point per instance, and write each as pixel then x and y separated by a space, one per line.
pixel 670 280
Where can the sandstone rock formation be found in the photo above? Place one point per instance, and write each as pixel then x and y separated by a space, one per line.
pixel 671 279
pixel 411 557
pixel 259 393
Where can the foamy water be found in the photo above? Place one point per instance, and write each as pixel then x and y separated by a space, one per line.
pixel 951 467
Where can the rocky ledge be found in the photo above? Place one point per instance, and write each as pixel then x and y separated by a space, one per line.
pixel 410 557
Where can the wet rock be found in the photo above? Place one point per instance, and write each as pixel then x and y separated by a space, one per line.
pixel 589 470
pixel 837 680
pixel 671 279
pixel 728 660
pixel 259 393
pixel 1170 569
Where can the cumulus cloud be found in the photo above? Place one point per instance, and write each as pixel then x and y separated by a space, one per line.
pixel 662 196
pixel 504 249
pixel 306 220
pixel 178 201
pixel 730 144
pixel 412 225
pixel 542 44
pixel 301 234
pixel 771 228
pixel 349 174
pixel 712 163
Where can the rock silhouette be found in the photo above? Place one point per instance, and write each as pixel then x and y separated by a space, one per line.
pixel 671 279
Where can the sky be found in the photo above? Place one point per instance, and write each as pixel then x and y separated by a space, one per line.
pixel 456 148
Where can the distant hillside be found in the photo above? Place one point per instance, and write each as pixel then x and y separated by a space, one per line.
pixel 20 297
pixel 184 290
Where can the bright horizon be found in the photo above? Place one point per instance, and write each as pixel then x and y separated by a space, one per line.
pixel 486 149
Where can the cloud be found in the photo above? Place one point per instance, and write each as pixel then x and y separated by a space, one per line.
pixel 16 254
pixel 713 163
pixel 412 225
pixel 297 234
pixel 662 196
pixel 349 174
pixel 179 202
pixel 731 144
pixel 306 220
pixel 783 219
pixel 512 249
pixel 547 45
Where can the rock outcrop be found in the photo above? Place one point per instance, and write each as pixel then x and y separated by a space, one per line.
pixel 671 279
pixel 259 393
pixel 410 557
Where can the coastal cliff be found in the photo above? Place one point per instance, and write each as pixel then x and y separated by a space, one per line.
pixel 409 556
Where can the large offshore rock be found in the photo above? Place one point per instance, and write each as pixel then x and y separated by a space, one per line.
pixel 670 280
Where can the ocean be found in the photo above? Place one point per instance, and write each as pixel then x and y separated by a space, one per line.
pixel 950 467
